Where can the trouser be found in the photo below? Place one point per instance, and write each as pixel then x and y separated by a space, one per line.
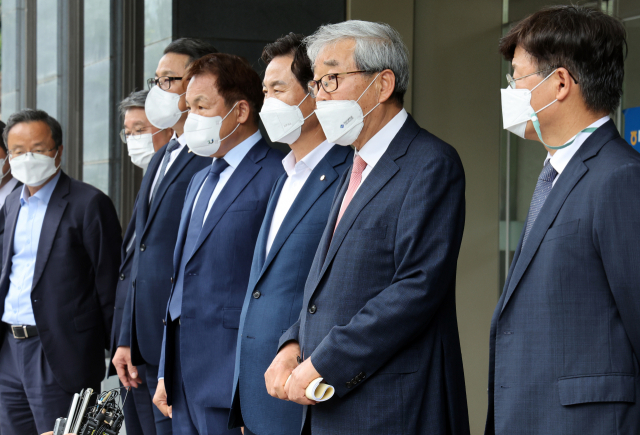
pixel 189 419
pixel 163 424
pixel 138 408
pixel 30 397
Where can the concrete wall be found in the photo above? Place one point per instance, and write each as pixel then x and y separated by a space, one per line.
pixel 455 95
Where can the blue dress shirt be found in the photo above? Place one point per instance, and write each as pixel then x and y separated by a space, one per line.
pixel 17 305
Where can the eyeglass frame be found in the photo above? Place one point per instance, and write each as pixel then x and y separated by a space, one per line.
pixel 11 154
pixel 155 81
pixel 511 82
pixel 314 85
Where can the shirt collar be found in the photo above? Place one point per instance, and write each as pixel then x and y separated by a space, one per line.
pixel 378 144
pixel 562 157
pixel 310 161
pixel 44 194
pixel 237 153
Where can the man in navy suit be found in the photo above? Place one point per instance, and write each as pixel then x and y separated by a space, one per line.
pixel 61 257
pixel 143 140
pixel 296 216
pixel 565 335
pixel 158 215
pixel 221 217
pixel 7 183
pixel 378 319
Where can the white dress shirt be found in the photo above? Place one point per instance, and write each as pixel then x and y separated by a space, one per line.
pixel 233 158
pixel 297 175
pixel 561 157
pixel 6 190
pixel 172 158
pixel 17 304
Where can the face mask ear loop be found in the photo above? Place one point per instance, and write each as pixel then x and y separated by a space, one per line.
pixel 372 82
pixel 225 117
pixel 306 96
pixel 163 129
pixel 545 79
pixel 298 106
pixel 54 159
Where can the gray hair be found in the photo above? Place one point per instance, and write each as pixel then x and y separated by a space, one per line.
pixel 135 99
pixel 378 47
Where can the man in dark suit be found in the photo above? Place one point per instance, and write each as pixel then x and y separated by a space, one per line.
pixel 221 217
pixel 565 335
pixel 58 280
pixel 7 184
pixel 296 216
pixel 158 214
pixel 143 140
pixel 378 319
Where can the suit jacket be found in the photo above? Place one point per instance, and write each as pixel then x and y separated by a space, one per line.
pixel 565 336
pixel 216 277
pixel 122 288
pixel 156 231
pixel 16 187
pixel 279 281
pixel 378 316
pixel 74 281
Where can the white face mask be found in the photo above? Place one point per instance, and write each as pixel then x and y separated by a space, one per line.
pixel 141 149
pixel 517 110
pixel 342 120
pixel 161 108
pixel 33 169
pixel 202 133
pixel 282 122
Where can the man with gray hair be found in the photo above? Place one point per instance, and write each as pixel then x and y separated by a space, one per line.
pixel 378 319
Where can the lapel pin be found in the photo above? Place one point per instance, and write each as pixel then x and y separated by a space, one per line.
pixel 322 177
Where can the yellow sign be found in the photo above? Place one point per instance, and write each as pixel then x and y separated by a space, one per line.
pixel 634 138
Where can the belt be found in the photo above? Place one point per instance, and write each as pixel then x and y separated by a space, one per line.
pixel 21 332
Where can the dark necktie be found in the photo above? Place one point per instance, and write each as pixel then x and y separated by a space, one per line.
pixel 543 188
pixel 193 232
pixel 173 145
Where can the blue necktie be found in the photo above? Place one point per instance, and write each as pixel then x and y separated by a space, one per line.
pixel 543 188
pixel 193 232
pixel 173 145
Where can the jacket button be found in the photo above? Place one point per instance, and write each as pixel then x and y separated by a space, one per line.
pixel 171 279
pixel 143 247
pixel 349 385
pixel 256 294
pixel 312 309
pixel 299 359
pixel 164 322
pixel 122 277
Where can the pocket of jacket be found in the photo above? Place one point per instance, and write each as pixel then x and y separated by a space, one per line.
pixel 562 230
pixel 231 318
pixel 615 387
pixel 88 320
pixel 243 206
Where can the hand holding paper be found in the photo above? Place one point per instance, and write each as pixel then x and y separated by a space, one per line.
pixel 297 384
pixel 317 390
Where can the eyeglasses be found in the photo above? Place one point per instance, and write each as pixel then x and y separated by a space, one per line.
pixel 164 82
pixel 135 134
pixel 329 82
pixel 17 153
pixel 512 81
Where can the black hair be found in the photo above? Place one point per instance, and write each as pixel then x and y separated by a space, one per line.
pixel 33 115
pixel 194 48
pixel 291 45
pixel 588 43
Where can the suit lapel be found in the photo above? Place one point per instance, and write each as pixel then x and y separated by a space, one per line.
pixel 196 184
pixel 124 254
pixel 241 176
pixel 9 235
pixel 184 157
pixel 261 245
pixel 53 216
pixel 313 188
pixel 574 171
pixel 145 190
